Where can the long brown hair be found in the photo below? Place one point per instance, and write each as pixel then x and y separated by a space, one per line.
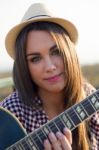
pixel 74 89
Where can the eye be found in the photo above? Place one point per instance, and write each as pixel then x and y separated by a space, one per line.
pixel 35 59
pixel 55 52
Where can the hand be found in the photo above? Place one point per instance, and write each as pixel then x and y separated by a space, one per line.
pixel 59 141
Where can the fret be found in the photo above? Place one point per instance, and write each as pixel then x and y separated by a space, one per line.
pixel 96 105
pixel 19 147
pixel 16 147
pixel 69 118
pixel 46 130
pixel 26 145
pixel 39 138
pixel 31 142
pixel 59 123
pixel 95 101
pixel 13 147
pixel 82 114
pixel 31 145
pixel 67 121
pixel 41 134
pixel 34 148
pixel 97 94
pixel 74 116
pixel 88 107
pixel 37 141
pixel 53 127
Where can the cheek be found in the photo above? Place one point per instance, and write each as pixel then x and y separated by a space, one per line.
pixel 35 71
pixel 59 62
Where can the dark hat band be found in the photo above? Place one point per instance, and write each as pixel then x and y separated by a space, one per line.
pixel 39 16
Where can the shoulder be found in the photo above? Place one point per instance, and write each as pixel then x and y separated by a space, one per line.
pixel 14 104
pixel 25 114
pixel 95 120
pixel 94 130
pixel 88 88
pixel 11 101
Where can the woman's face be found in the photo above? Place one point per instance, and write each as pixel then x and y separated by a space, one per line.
pixel 45 62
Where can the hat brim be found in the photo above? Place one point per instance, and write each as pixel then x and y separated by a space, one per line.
pixel 14 32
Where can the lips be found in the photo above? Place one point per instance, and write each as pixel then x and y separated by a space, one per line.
pixel 54 78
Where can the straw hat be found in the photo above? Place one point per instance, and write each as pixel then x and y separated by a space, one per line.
pixel 38 12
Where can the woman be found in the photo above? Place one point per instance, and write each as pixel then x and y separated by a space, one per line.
pixel 48 78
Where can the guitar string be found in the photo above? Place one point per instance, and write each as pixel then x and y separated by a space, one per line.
pixel 85 103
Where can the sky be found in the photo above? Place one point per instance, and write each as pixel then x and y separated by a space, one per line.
pixel 83 13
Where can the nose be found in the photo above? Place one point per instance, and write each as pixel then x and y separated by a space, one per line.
pixel 50 65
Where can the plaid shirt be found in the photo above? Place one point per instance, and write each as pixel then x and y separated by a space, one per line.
pixel 32 118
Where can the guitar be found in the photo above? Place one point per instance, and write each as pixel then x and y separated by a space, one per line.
pixel 13 136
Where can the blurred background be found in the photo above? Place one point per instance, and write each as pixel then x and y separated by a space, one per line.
pixel 82 13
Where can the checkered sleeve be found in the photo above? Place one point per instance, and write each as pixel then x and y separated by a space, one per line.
pixel 14 105
pixel 30 117
pixel 94 131
pixel 93 122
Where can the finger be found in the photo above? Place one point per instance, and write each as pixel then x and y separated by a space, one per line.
pixel 47 145
pixel 55 143
pixel 68 134
pixel 65 144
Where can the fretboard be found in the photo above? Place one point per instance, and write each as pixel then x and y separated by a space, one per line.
pixel 70 118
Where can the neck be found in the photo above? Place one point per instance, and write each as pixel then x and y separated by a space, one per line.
pixel 53 103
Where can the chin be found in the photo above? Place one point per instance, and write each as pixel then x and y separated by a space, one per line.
pixel 56 90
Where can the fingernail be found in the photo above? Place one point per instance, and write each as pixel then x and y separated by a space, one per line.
pixel 46 141
pixel 51 134
pixel 65 129
pixel 59 134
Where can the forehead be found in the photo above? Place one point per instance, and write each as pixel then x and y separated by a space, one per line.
pixel 37 40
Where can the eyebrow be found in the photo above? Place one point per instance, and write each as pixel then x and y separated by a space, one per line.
pixel 37 53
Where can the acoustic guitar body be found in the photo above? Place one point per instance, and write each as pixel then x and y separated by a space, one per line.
pixel 11 130
pixel 13 136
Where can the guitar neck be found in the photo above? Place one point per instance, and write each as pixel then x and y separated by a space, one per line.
pixel 70 118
